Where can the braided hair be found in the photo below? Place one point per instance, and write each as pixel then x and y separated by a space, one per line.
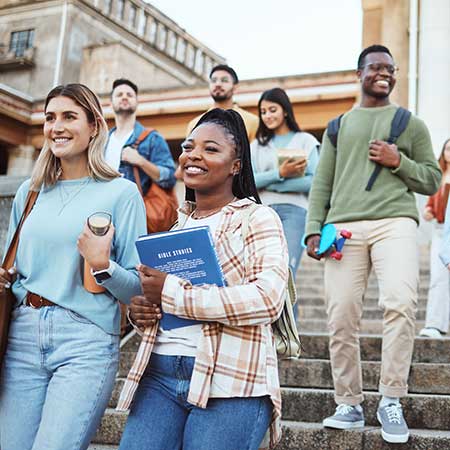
pixel 231 122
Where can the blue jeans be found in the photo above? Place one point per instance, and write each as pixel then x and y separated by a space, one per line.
pixel 162 419
pixel 56 381
pixel 293 219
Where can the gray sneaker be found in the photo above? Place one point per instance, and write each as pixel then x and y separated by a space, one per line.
pixel 344 418
pixel 393 425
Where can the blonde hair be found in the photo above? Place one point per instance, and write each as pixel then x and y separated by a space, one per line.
pixel 48 167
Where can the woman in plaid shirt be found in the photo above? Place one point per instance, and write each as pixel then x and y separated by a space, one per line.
pixel 212 386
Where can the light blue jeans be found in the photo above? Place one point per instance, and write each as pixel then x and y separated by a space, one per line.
pixel 162 419
pixel 293 219
pixel 57 377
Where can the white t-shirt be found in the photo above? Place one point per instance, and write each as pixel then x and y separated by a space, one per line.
pixel 184 341
pixel 114 148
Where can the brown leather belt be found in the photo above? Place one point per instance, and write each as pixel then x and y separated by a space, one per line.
pixel 37 301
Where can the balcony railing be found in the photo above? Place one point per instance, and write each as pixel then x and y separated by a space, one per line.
pixel 10 61
pixel 161 33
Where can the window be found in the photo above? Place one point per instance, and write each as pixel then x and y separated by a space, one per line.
pixel 199 61
pixel 120 8
pixel 151 29
pixel 20 41
pixel 162 36
pixel 171 43
pixel 107 6
pixel 181 50
pixel 143 24
pixel 132 17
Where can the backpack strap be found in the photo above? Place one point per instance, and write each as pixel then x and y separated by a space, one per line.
pixel 246 218
pixel 137 178
pixel 333 130
pixel 398 126
pixel 145 132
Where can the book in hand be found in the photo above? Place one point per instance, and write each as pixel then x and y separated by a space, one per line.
pixel 188 253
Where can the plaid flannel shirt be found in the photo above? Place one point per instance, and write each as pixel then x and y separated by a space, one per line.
pixel 237 346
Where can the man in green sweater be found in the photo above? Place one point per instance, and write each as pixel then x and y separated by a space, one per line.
pixel 383 221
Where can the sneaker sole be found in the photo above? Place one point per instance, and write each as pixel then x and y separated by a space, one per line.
pixel 393 438
pixel 331 423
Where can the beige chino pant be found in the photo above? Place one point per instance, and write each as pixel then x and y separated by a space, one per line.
pixel 390 247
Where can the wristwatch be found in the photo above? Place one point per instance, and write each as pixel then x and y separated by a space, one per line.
pixel 102 275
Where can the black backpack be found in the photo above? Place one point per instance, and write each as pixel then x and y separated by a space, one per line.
pixel 398 126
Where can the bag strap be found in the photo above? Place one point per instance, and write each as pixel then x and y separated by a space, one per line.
pixel 145 132
pixel 333 130
pixel 10 256
pixel 244 230
pixel 398 126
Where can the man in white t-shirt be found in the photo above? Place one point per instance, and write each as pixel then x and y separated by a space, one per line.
pixel 152 157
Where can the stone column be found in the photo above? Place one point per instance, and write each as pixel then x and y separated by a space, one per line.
pixel 386 22
pixel 434 69
pixel 21 160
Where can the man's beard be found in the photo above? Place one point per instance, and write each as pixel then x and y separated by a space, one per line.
pixel 220 97
pixel 124 111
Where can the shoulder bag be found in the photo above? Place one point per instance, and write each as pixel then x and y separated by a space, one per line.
pixel 287 339
pixel 7 298
pixel 160 204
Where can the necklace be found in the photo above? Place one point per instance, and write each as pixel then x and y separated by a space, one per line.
pixel 67 195
pixel 204 216
pixel 210 213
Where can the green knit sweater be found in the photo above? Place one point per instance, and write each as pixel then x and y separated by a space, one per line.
pixel 338 191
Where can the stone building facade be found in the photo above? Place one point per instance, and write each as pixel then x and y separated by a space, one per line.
pixel 44 43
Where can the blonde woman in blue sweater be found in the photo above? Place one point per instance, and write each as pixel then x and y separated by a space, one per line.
pixel 62 356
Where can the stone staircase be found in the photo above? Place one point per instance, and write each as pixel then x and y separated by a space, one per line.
pixel 307 384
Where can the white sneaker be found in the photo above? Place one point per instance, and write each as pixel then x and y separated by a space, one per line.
pixel 433 333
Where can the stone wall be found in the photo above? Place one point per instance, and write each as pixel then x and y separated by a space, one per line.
pixel 8 188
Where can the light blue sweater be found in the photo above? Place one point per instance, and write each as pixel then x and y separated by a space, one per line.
pixel 48 262
pixel 271 187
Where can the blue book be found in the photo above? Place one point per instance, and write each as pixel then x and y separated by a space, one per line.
pixel 188 253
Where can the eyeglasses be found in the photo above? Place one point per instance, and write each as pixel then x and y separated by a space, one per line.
pixel 379 67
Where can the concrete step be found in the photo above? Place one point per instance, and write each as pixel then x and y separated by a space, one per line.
pixel 369 302
pixel 305 435
pixel 315 346
pixel 371 313
pixel 426 350
pixel 313 405
pixel 111 427
pixel 309 287
pixel 102 447
pixel 316 373
pixel 302 435
pixel 367 326
pixel 424 378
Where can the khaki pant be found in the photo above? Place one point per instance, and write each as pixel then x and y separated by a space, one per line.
pixel 390 247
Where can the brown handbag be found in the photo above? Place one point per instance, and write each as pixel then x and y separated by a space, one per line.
pixel 160 204
pixel 7 298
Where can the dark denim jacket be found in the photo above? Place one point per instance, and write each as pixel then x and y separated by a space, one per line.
pixel 155 149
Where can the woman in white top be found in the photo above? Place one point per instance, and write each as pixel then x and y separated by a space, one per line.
pixel 284 187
